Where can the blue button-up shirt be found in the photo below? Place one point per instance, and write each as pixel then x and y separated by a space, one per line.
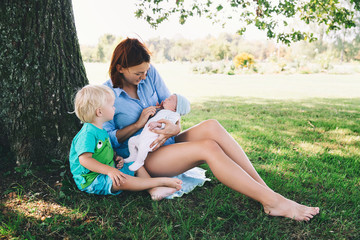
pixel 150 91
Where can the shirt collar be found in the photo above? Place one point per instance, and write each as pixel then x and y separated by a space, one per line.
pixel 118 91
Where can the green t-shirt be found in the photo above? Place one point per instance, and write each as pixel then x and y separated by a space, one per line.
pixel 94 140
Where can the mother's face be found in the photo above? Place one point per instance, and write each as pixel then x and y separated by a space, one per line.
pixel 133 75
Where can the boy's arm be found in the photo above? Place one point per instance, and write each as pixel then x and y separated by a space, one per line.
pixel 87 161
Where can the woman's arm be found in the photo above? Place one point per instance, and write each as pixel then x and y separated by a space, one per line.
pixel 125 133
pixel 159 84
pixel 87 161
pixel 111 129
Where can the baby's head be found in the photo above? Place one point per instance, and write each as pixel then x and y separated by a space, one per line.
pixel 89 99
pixel 178 103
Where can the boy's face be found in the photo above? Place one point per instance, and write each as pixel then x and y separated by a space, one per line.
pixel 108 110
pixel 170 103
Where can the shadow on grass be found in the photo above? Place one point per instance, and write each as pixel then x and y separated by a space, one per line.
pixel 306 150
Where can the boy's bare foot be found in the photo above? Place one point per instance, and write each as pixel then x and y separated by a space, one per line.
pixel 290 209
pixel 172 185
pixel 173 182
pixel 160 193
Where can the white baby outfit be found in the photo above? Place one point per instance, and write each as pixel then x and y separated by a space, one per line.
pixel 139 145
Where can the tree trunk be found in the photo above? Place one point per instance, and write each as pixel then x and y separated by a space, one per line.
pixel 41 69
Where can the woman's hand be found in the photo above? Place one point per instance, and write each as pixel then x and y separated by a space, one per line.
pixel 144 117
pixel 168 131
pixel 154 125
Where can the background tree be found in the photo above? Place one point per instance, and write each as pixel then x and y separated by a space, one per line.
pixel 106 46
pixel 347 42
pixel 159 49
pixel 41 68
pixel 220 50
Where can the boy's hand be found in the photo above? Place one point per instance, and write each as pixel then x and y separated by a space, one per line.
pixel 117 177
pixel 119 162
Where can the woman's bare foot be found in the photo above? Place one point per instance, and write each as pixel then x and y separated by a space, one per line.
pixel 172 185
pixel 290 209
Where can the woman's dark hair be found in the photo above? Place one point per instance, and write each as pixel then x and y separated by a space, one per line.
pixel 128 53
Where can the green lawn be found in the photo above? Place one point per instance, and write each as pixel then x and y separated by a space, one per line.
pixel 306 149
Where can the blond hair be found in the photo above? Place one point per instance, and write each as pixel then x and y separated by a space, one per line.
pixel 90 98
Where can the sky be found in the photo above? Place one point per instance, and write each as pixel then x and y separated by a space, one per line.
pixel 94 18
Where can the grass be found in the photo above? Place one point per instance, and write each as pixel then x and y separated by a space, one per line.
pixel 308 150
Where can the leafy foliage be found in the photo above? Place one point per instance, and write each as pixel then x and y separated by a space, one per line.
pixel 274 17
pixel 244 60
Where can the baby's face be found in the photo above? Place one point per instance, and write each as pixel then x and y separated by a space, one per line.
pixel 170 103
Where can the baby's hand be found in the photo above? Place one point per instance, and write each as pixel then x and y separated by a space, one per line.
pixel 119 162
pixel 159 105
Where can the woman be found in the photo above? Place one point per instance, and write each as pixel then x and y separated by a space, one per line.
pixel 138 89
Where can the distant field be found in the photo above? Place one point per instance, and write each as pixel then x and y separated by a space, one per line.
pixel 179 78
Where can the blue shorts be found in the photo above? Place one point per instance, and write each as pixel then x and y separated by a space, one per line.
pixel 102 184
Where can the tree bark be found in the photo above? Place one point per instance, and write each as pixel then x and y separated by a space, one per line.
pixel 41 69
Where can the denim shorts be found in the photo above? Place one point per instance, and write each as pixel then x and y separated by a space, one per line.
pixel 102 184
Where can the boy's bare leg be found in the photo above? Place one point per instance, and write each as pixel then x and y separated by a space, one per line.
pixel 158 193
pixel 158 188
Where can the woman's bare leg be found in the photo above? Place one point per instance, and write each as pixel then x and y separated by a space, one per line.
pixel 212 129
pixel 176 158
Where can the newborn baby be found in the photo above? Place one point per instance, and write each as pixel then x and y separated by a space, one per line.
pixel 139 146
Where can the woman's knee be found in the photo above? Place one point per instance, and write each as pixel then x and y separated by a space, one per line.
pixel 213 123
pixel 211 151
pixel 209 146
pixel 212 126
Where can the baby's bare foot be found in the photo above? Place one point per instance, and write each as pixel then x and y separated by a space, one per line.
pixel 290 209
